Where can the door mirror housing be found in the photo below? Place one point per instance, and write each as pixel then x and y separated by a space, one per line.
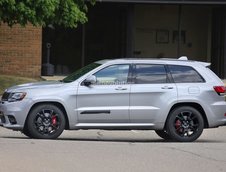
pixel 90 80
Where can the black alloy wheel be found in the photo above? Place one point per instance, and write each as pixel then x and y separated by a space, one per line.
pixel 45 121
pixel 185 124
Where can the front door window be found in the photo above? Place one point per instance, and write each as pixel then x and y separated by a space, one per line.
pixel 115 74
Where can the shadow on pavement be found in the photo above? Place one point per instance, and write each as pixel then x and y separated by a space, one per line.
pixel 120 140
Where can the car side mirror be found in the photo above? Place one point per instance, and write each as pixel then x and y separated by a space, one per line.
pixel 90 80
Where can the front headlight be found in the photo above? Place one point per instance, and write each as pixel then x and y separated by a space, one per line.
pixel 17 96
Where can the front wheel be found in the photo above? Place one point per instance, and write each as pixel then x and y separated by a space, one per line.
pixel 45 121
pixel 27 133
pixel 185 124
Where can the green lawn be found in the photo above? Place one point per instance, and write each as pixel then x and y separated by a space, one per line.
pixel 8 81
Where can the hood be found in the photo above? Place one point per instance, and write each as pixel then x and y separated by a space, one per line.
pixel 36 85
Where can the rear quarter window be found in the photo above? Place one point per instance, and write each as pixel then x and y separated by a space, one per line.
pixel 185 74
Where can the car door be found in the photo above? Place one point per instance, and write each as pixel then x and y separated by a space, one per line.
pixel 106 101
pixel 151 94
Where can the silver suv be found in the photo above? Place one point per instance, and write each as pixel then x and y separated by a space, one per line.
pixel 176 98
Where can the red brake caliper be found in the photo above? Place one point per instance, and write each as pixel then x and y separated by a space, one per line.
pixel 54 120
pixel 178 125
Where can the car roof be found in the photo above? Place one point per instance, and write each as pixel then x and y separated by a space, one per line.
pixel 180 61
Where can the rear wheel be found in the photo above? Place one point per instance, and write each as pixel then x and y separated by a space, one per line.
pixel 45 121
pixel 163 134
pixel 185 124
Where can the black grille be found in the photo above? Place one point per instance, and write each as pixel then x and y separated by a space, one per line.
pixel 5 96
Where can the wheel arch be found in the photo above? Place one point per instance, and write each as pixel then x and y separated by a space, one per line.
pixel 57 104
pixel 194 105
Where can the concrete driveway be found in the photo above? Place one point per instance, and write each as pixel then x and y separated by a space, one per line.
pixel 108 151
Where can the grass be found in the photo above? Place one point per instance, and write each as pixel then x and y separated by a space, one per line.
pixel 7 81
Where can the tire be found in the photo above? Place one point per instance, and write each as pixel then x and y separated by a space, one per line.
pixel 185 124
pixel 163 134
pixel 27 133
pixel 45 121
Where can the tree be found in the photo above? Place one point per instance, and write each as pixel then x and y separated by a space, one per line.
pixel 68 13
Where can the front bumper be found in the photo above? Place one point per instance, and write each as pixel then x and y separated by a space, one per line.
pixel 13 115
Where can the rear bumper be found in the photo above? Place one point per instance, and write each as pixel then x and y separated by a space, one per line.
pixel 216 116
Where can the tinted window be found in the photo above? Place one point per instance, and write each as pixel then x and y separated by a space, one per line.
pixel 146 73
pixel 72 77
pixel 115 74
pixel 183 74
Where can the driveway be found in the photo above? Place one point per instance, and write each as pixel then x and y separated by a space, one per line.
pixel 108 151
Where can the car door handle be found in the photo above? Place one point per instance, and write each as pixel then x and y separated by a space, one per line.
pixel 120 88
pixel 167 87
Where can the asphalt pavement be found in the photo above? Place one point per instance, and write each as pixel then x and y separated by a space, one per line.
pixel 112 151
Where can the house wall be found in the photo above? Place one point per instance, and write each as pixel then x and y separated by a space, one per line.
pixel 151 20
pixel 20 50
pixel 105 37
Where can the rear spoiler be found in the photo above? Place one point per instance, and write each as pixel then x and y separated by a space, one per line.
pixel 206 64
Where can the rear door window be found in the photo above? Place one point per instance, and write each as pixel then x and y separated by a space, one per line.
pixel 185 74
pixel 150 74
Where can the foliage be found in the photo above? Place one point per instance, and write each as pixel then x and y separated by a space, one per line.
pixel 67 13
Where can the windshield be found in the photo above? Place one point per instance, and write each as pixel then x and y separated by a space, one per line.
pixel 77 74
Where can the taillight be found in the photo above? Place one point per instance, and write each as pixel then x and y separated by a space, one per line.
pixel 219 89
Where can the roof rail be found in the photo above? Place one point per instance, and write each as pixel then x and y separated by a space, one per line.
pixel 183 58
